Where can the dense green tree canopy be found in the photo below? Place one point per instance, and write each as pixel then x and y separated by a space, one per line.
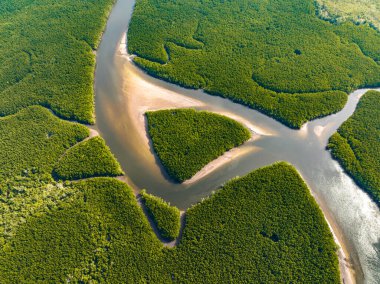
pixel 186 140
pixel 262 228
pixel 34 139
pixel 254 229
pixel 165 217
pixel 47 55
pixel 276 56
pixel 91 158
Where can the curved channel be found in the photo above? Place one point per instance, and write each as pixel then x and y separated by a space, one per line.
pixel 354 217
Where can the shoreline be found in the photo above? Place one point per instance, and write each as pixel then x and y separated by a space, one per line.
pixel 346 267
pixel 93 133
pixel 151 98
pixel 222 160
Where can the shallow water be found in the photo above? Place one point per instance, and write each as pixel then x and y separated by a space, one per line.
pixel 349 209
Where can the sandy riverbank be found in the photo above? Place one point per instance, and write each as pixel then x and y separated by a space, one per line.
pixel 317 130
pixel 123 45
pixel 347 272
pixel 93 133
pixel 143 96
pixel 222 160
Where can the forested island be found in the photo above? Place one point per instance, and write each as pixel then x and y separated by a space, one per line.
pixel 186 140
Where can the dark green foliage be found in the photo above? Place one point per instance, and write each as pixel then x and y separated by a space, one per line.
pixel 102 235
pixel 186 140
pixel 33 140
pixel 165 217
pixel 47 56
pixel 356 145
pixel 262 228
pixel 91 158
pixel 246 51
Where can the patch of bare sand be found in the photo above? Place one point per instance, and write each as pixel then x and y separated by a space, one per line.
pixel 142 96
pixel 222 160
pixel 318 130
pixel 123 45
pixel 93 133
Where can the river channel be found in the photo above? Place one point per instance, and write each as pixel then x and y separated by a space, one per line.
pixel 352 214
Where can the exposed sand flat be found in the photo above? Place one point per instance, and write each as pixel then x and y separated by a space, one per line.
pixel 346 271
pixel 345 266
pixel 93 133
pixel 318 130
pixel 123 45
pixel 143 96
pixel 303 131
pixel 222 160
pixel 322 131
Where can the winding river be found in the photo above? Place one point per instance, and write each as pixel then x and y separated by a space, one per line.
pixel 354 218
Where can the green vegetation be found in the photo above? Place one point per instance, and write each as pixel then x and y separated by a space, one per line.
pixel 29 194
pixel 91 158
pixel 186 140
pixel 357 11
pixel 276 56
pixel 264 227
pixel 356 144
pixel 100 235
pixel 33 140
pixel 165 217
pixel 47 58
